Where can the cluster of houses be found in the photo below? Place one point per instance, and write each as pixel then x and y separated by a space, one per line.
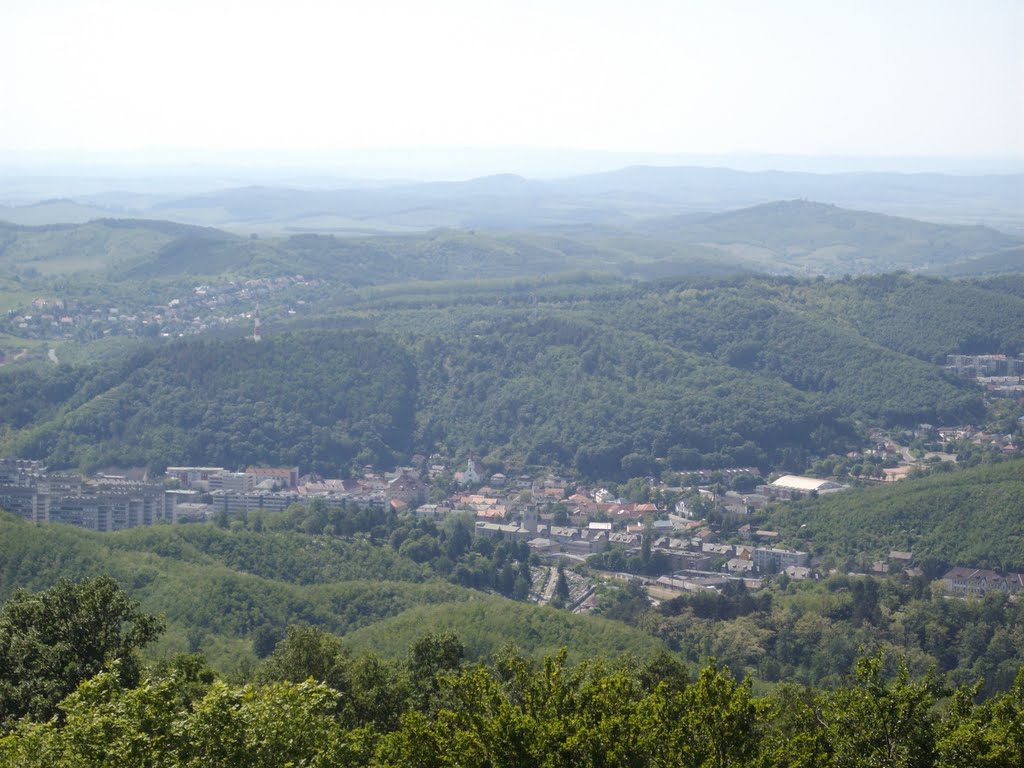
pixel 203 308
pixel 557 522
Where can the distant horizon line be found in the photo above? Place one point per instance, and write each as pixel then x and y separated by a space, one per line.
pixel 451 162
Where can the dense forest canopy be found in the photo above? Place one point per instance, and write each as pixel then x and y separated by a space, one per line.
pixel 742 371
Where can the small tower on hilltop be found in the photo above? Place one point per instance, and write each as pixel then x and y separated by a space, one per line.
pixel 257 331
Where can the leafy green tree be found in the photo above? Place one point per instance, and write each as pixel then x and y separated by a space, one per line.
pixel 878 723
pixel 986 736
pixel 719 721
pixel 267 726
pixel 429 658
pixel 308 653
pixel 53 640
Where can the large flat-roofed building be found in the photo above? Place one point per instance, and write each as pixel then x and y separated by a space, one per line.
pixel 107 508
pixel 235 482
pixel 499 531
pixel 797 486
pixel 286 477
pixel 20 471
pixel 103 504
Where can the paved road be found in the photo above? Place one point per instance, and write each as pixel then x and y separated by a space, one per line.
pixel 549 588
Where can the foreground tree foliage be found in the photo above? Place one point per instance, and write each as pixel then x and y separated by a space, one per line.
pixel 52 641
pixel 314 704
pixel 513 713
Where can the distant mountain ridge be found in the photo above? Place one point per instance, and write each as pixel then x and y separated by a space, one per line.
pixel 511 201
pixel 798 237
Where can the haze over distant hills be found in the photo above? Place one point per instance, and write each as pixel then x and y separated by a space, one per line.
pixel 793 237
pixel 279 202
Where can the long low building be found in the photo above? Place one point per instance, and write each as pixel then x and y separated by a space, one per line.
pixel 797 486
pixel 980 581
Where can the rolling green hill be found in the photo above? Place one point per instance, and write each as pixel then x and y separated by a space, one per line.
pixel 791 237
pixel 802 237
pixel 971 517
pixel 489 624
pixel 218 588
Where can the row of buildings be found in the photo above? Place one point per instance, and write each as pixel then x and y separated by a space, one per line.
pixel 980 581
pixel 104 503
pixel 975 366
pixel 110 503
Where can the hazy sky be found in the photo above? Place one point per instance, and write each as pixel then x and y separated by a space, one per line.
pixel 847 77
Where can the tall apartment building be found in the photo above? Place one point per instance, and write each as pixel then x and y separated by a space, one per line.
pixel 29 491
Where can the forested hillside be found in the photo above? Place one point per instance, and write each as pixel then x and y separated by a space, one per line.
pixel 321 400
pixel 737 371
pixel 232 592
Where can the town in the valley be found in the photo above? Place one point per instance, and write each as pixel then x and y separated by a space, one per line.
pixel 693 528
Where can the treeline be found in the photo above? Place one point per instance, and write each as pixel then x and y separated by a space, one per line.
pixel 311 702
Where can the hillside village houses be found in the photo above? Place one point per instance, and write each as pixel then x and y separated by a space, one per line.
pixel 979 581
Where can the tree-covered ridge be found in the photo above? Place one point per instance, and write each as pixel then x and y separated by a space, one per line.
pixel 749 370
pixel 320 400
pixel 788 237
pixel 571 390
pixel 926 318
pixel 971 517
pixel 804 237
pixel 312 702
pixel 772 329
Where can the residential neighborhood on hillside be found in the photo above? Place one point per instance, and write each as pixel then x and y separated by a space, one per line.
pixel 688 537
